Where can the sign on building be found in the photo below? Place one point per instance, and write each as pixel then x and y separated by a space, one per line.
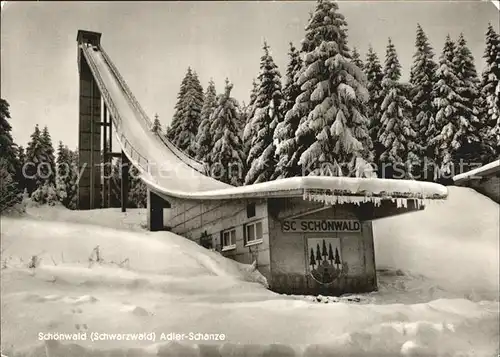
pixel 325 261
pixel 320 225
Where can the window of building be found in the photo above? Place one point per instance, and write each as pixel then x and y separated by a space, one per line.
pixel 253 233
pixel 250 210
pixel 229 239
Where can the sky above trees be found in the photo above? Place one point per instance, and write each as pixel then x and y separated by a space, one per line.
pixel 153 44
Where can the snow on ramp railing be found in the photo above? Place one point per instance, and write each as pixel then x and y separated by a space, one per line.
pixel 188 160
pixel 140 161
pixel 181 155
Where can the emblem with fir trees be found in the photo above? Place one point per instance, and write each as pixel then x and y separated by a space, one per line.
pixel 325 261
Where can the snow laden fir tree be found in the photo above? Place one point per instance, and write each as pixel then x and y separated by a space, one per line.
pixel 156 128
pixel 356 58
pixel 248 114
pixel 491 88
pixel 204 141
pixel 261 159
pixel 472 148
pixel 187 116
pixel 10 165
pixel 332 135
pixel 396 133
pixel 21 160
pixel 40 152
pixel 374 76
pixel 7 146
pixel 423 80
pixel 453 128
pixel 67 176
pixel 226 156
pixel 284 134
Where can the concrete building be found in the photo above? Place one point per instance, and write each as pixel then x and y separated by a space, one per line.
pixel 300 246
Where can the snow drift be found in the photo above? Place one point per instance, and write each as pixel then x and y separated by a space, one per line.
pixel 454 242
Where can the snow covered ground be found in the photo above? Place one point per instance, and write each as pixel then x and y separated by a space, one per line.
pixel 438 279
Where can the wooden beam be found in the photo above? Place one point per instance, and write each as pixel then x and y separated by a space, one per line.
pixel 155 211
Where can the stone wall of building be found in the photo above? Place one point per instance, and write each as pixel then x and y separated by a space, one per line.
pixel 284 257
pixel 191 219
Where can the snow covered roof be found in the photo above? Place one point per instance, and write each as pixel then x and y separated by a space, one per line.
pixel 485 170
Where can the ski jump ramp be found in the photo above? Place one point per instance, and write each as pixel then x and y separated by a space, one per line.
pixel 170 173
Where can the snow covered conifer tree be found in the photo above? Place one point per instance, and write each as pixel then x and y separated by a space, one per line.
pixel 21 160
pixel 446 102
pixel 9 194
pixel 9 163
pixel 115 183
pixel 423 80
pixel 66 176
pixel 374 76
pixel 8 149
pixel 34 156
pixel 284 134
pixel 46 194
pixel 42 155
pixel 174 127
pixel 227 151
pixel 203 137
pixel 392 67
pixel 48 170
pixel 291 90
pixel 191 116
pixel 261 159
pixel 472 122
pixel 73 156
pixel 156 125
pixel 356 58
pixel 184 127
pixel 396 132
pixel 333 130
pixel 456 135
pixel 137 195
pixel 490 89
pixel 249 113
pixel 62 172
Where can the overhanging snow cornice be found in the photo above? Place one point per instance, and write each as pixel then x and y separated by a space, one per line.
pixel 338 189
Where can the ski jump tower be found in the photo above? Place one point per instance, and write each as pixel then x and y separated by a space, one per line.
pixel 95 138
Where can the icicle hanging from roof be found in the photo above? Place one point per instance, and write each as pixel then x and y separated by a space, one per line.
pixel 330 198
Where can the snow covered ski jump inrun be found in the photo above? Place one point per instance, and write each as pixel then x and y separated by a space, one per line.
pixel 169 172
